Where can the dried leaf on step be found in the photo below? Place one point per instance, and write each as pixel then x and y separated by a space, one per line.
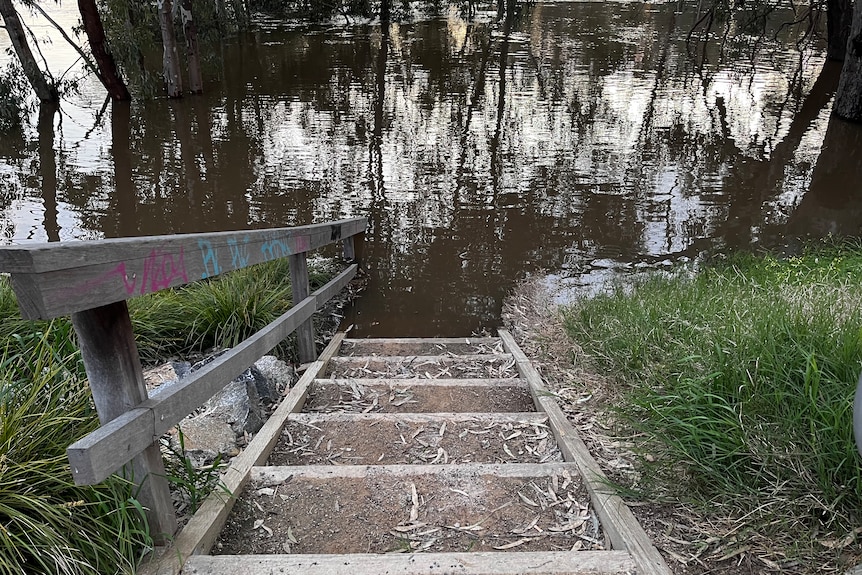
pixel 513 544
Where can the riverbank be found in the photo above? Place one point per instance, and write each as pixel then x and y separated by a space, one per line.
pixel 720 402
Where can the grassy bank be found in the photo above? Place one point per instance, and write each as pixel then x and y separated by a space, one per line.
pixel 740 380
pixel 47 524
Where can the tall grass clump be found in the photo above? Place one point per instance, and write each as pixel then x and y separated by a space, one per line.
pixel 741 378
pixel 47 523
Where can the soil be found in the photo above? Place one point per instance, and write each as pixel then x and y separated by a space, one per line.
pixel 423 367
pixel 442 512
pixel 469 346
pixel 354 397
pixel 381 442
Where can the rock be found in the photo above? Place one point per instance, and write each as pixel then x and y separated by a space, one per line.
pixel 159 378
pixel 281 375
pixel 237 404
pixel 236 410
pixel 205 439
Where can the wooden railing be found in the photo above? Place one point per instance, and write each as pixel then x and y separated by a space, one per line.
pixel 92 281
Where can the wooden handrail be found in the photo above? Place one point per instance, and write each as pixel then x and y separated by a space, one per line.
pixel 103 451
pixel 92 281
pixel 55 279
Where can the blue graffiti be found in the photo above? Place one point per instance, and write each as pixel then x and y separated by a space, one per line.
pixel 210 259
pixel 275 249
pixel 239 256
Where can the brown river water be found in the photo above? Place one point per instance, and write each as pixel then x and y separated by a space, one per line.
pixel 579 139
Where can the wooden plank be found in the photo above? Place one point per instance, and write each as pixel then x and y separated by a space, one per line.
pixel 203 528
pixel 426 340
pixel 56 279
pixel 114 372
pixel 399 383
pixel 438 417
pixel 485 563
pixel 96 456
pixel 275 475
pixel 338 283
pixel 305 331
pixel 617 519
pixel 360 360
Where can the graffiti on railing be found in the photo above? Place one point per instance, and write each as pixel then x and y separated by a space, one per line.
pixel 239 256
pixel 160 271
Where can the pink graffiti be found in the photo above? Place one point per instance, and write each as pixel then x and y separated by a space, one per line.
pixel 161 270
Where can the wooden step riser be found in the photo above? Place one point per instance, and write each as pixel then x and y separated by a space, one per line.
pixel 270 476
pixel 420 346
pixel 496 563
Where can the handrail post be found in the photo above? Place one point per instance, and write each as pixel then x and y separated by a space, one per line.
pixel 299 284
pixel 352 247
pixel 114 371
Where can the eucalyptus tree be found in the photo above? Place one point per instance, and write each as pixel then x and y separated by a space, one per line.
pixel 170 54
pixel 108 74
pixel 848 100
pixel 43 85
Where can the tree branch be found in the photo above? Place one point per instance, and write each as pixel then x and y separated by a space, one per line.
pixel 77 48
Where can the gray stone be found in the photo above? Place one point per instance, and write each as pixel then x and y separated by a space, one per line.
pixel 237 404
pixel 237 409
pixel 205 439
pixel 280 375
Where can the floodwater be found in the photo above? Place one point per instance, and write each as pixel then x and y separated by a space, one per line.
pixel 578 139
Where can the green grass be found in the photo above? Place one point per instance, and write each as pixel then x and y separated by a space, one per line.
pixel 740 378
pixel 49 525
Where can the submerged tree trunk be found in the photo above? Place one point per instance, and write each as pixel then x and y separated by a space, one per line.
pixel 848 99
pixel 839 14
pixel 171 57
pixel 190 31
pixel 46 91
pixel 109 74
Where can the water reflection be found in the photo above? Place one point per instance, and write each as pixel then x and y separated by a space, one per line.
pixel 573 137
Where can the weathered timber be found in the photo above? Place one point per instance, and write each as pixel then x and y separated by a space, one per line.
pixel 299 285
pixel 436 417
pixel 398 383
pixel 360 360
pixel 99 454
pixel 348 249
pixel 114 371
pixel 426 340
pixel 275 475
pixel 203 528
pixel 53 279
pixel 617 519
pixel 488 563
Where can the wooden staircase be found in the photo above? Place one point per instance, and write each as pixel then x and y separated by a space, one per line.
pixel 415 456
